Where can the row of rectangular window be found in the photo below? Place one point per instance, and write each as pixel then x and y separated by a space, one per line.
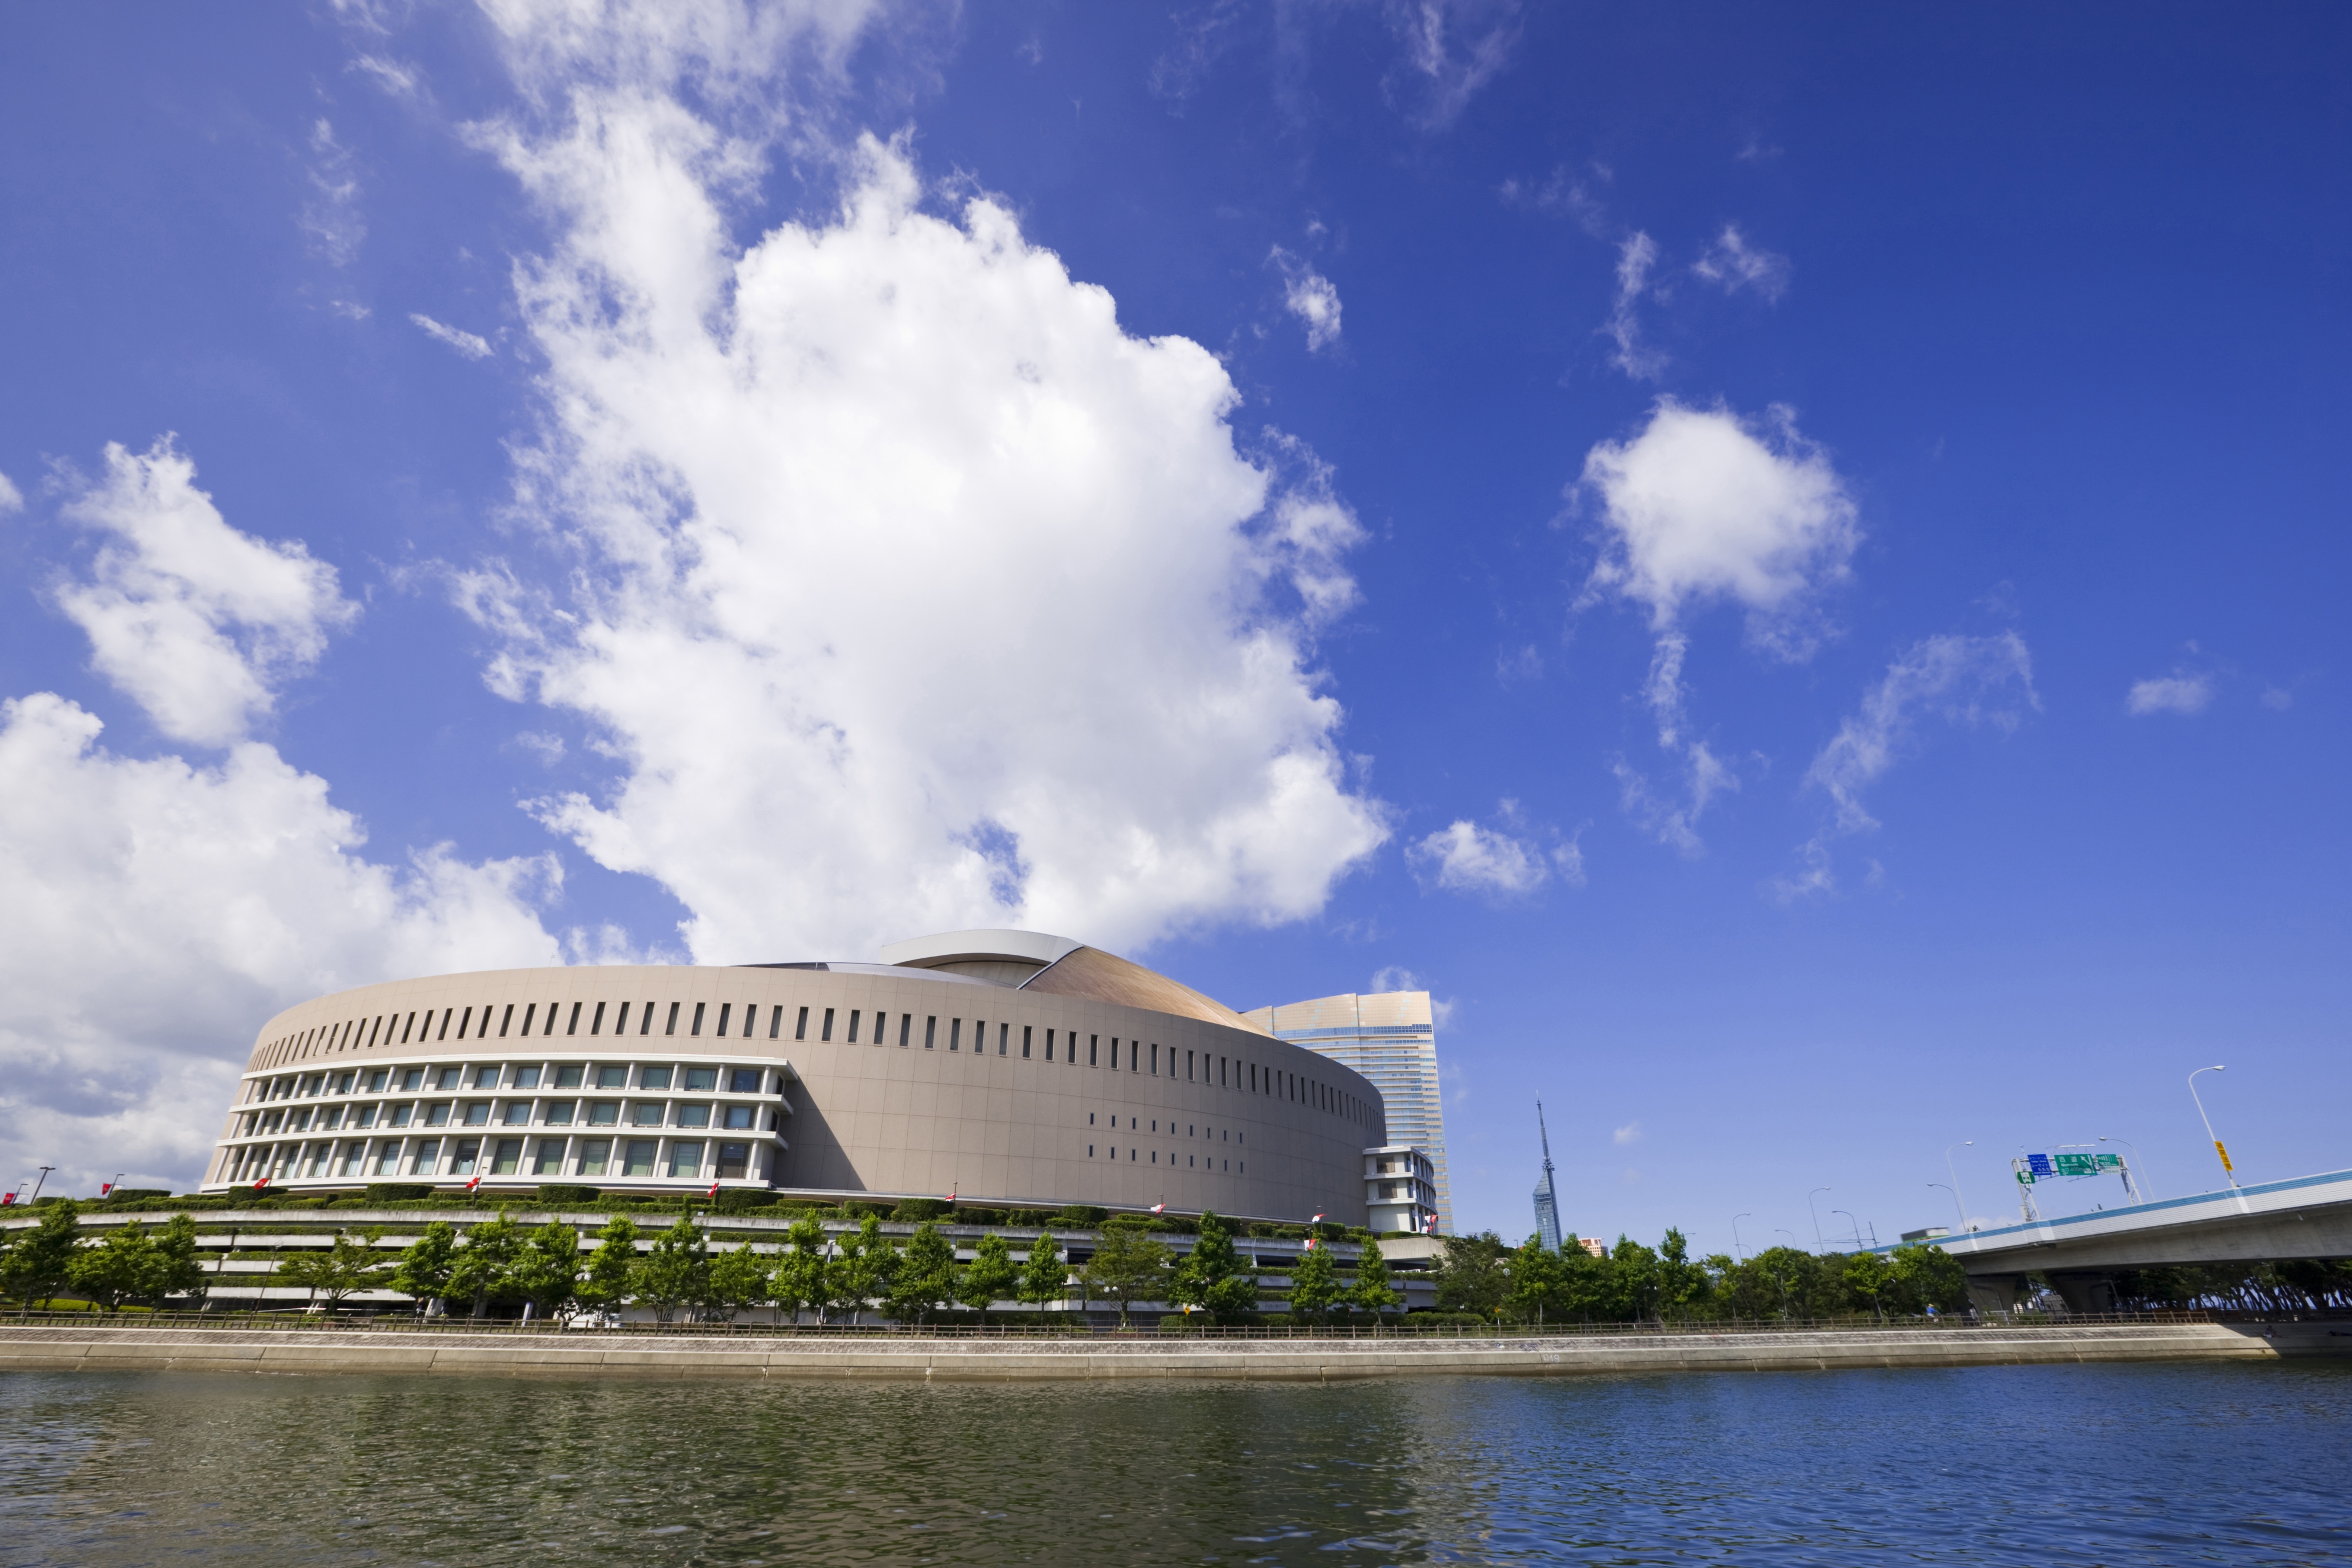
pixel 650 1076
pixel 1192 1161
pixel 507 1156
pixel 1197 1065
pixel 394 1028
pixel 511 1114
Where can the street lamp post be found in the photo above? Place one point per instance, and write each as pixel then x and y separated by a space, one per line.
pixel 2218 1149
pixel 2140 1183
pixel 1857 1228
pixel 1957 1206
pixel 1954 1172
pixel 1819 1246
pixel 1743 1214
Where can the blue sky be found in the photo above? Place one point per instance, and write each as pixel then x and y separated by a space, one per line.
pixel 1785 564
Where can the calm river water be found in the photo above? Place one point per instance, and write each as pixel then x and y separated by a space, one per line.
pixel 2087 1465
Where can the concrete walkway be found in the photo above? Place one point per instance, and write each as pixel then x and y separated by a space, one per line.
pixel 187 1348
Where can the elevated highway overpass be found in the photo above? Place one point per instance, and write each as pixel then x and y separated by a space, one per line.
pixel 2308 1217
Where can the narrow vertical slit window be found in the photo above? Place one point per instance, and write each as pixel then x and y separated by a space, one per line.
pixel 445 1014
pixel 530 1012
pixel 800 1030
pixel 671 1027
pixel 1094 1051
pixel 621 1020
pixel 724 1009
pixel 574 1027
pixel 1003 1038
pixel 549 1027
pixel 856 1015
pixel 906 1028
pixel 751 1016
pixel 776 1022
pixel 1025 1042
pixel 827 1032
pixel 504 1019
pixel 646 1025
pixel 696 1029
pixel 467 1022
pixel 596 1024
pixel 955 1034
pixel 930 1032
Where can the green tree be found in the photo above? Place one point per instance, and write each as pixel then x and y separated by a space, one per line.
pixel 926 1275
pixel 1540 1290
pixel 799 1281
pixel 546 1270
pixel 1867 1279
pixel 990 1277
pixel 1314 1285
pixel 1373 1293
pixel 866 1270
pixel 116 1269
pixel 1927 1277
pixel 1045 1277
pixel 673 1271
pixel 1472 1274
pixel 1683 1286
pixel 426 1264
pixel 1211 1277
pixel 1633 1280
pixel 1129 1265
pixel 178 1270
pixel 605 1283
pixel 738 1281
pixel 40 1262
pixel 486 1263
pixel 347 1266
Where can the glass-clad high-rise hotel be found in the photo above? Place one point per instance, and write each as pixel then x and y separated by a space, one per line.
pixel 1390 1038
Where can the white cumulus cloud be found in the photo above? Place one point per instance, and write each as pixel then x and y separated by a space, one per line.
pixel 2178 693
pixel 1309 295
pixel 1465 857
pixel 159 910
pixel 1631 1133
pixel 1703 506
pixel 189 617
pixel 11 498
pixel 470 345
pixel 911 592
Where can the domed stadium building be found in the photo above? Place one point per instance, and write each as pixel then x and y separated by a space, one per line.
pixel 1001 1068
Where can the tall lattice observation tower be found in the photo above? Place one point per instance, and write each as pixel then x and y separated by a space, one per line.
pixel 1546 1200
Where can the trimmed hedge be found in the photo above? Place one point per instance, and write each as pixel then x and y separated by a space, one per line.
pixel 401 1191
pixel 564 1195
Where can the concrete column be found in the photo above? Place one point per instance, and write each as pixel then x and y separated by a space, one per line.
pixel 2084 1293
pixel 1994 1292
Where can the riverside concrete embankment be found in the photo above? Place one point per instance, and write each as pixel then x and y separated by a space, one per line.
pixel 904 1358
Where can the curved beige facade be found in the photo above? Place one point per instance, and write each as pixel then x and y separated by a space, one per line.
pixel 1005 1069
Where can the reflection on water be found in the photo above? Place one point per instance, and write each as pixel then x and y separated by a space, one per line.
pixel 2186 1463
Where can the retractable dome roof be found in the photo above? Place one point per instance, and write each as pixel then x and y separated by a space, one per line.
pixel 1060 965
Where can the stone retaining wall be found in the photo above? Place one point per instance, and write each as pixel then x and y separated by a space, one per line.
pixel 618 1354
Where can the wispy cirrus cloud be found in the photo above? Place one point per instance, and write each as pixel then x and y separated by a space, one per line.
pixel 469 345
pixel 2184 694
pixel 1967 682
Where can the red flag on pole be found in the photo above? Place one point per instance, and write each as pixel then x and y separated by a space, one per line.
pixel 262 1183
pixel 473 1183
pixel 1318 1220
pixel 714 1189
pixel 8 1198
pixel 1159 1208
pixel 1310 1245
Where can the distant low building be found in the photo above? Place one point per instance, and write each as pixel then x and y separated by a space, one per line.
pixel 1390 1038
